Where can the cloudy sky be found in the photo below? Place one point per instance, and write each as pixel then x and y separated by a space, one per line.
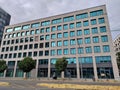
pixel 26 10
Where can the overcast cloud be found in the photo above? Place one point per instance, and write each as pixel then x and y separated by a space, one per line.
pixel 26 10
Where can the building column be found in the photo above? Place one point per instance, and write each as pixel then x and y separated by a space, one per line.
pixel 5 70
pixel 78 69
pixel 49 69
pixel 95 69
pixel 15 69
pixel 37 62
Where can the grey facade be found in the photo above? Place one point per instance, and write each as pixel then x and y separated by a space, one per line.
pixel 83 37
pixel 4 21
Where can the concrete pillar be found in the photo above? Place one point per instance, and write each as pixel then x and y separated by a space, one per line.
pixel 15 69
pixel 5 70
pixel 78 69
pixel 37 62
pixel 49 68
pixel 95 69
pixel 62 74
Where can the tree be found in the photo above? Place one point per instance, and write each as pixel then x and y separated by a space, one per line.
pixel 3 66
pixel 118 59
pixel 61 64
pixel 26 65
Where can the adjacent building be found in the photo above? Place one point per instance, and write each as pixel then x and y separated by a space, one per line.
pixel 82 36
pixel 4 21
pixel 117 44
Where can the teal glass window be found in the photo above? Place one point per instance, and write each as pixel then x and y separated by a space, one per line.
pixel 59 43
pixel 66 51
pixel 88 50
pixel 104 38
pixel 14 35
pixel 25 27
pixel 42 30
pixel 42 37
pixel 103 59
pixel 93 22
pixel 35 25
pixel 72 42
pixel 95 30
pixel 101 20
pixel 47 37
pixel 97 49
pixel 72 33
pixel 79 32
pixel 68 19
pixel 82 16
pixel 65 26
pixel 65 34
pixel 17 28
pixel 85 60
pixel 53 29
pixel 9 30
pixel 22 33
pixel 78 24
pixel 53 36
pixel 106 48
pixel 65 42
pixel 79 41
pixel 45 23
pixel 72 50
pixel 59 27
pixel 102 29
pixel 80 50
pixel 40 53
pixel 71 60
pixel 59 51
pixel 86 31
pixel 47 29
pixel 53 52
pixel 32 32
pixel 95 39
pixel 37 31
pixel 87 40
pixel 57 21
pixel 18 34
pixel 53 44
pixel 86 23
pixel 53 60
pixel 96 13
pixel 27 33
pixel 72 25
pixel 59 35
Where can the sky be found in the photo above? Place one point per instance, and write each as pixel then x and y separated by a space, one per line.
pixel 26 10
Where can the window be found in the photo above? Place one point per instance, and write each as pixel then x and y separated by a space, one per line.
pixel 65 34
pixel 86 31
pixel 41 45
pixel 59 51
pixel 53 52
pixel 65 26
pixel 59 35
pixel 82 16
pixel 16 48
pixel 25 47
pixel 42 37
pixel 47 37
pixel 42 30
pixel 22 33
pixel 78 24
pixel 30 54
pixel 43 61
pixel 96 13
pixel 72 33
pixel 53 36
pixel 27 33
pixel 35 25
pixel 88 50
pixel 96 39
pixel 102 29
pixel 14 55
pixel 19 55
pixel 21 40
pixel 4 42
pixel 47 29
pixel 30 46
pixel 53 29
pixel 53 60
pixel 20 47
pixel 79 32
pixel 17 41
pixel 94 30
pixel 3 49
pixel 80 50
pixel 24 54
pixel 11 48
pixel 40 53
pixel 102 59
pixel 101 20
pixel 8 42
pixel 26 39
pixel 47 53
pixel 31 39
pixel 59 43
pixel 10 55
pixel 59 27
pixel 106 48
pixel 93 22
pixel 7 48
pixel 104 38
pixel 53 44
pixel 66 51
pixel 6 55
pixel 97 49
pixel 17 28
pixel 35 53
pixel 72 50
pixel 68 19
pixel 65 42
pixel 87 40
pixel 12 42
pixel 45 23
pixel 25 27
pixel 79 41
pixel 85 60
pixel 32 32
pixel 47 45
pixel 72 26
pixel 56 21
pixel 85 23
pixel 18 34
pixel 35 46
pixel 37 31
pixel 72 42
